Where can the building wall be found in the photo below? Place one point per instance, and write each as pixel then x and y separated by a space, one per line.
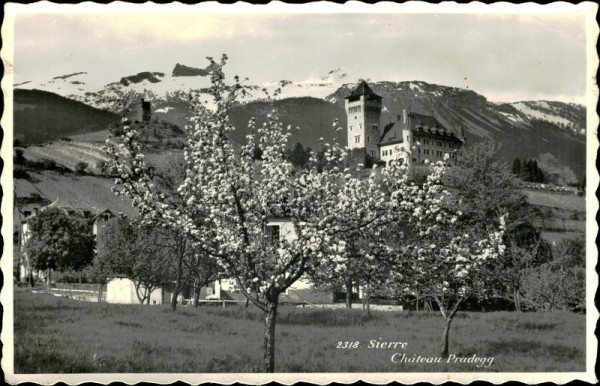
pixel 433 149
pixel 416 149
pixel 286 232
pixel 398 150
pixel 122 291
pixel 363 125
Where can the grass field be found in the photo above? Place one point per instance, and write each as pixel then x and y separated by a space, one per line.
pixel 555 200
pixel 59 335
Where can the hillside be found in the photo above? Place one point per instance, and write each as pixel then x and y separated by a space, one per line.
pixel 41 116
pixel 310 118
pixel 561 216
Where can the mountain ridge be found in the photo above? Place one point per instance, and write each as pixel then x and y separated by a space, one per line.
pixel 526 128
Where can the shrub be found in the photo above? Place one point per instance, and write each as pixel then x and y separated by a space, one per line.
pixel 48 164
pixel 19 157
pixel 81 167
pixel 21 174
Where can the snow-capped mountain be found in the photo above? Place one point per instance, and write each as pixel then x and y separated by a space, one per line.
pixel 568 116
pixel 456 106
pixel 526 129
pixel 163 88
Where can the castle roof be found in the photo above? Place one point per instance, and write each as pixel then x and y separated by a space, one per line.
pixel 362 89
pixel 392 133
pixel 423 120
pixel 421 125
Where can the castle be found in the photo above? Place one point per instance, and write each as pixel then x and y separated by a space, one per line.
pixel 413 139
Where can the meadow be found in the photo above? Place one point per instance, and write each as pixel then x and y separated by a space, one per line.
pixel 60 335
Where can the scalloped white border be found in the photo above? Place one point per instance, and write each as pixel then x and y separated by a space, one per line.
pixel 588 9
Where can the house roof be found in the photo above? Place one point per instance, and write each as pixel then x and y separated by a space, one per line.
pixel 362 89
pixel 67 208
pixel 392 133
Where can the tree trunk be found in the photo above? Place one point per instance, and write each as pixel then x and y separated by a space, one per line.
pixel 428 306
pixel 269 357
pixel 49 278
pixel 369 306
pixel 174 301
pixel 30 277
pixel 517 300
pixel 348 283
pixel 446 335
pixel 448 317
pixel 141 297
pixel 247 302
pixel 197 296
pixel 178 284
pixel 99 293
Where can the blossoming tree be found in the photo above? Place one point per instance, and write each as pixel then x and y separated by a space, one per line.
pixel 228 197
pixel 445 257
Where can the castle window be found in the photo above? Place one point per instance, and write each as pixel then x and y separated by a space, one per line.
pixel 350 127
pixel 372 153
pixel 368 139
pixel 357 139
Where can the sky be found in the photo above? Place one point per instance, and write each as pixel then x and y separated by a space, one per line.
pixel 504 57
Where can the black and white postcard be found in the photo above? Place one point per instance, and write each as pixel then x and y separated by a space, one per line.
pixel 319 192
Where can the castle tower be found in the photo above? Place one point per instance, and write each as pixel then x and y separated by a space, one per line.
pixel 146 111
pixel 363 109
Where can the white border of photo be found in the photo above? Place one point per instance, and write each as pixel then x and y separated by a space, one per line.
pixel 588 9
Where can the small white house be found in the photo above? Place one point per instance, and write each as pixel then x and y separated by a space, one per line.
pixel 121 290
pixel 278 228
